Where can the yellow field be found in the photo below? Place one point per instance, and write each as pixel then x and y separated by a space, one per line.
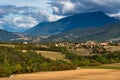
pixel 8 45
pixel 52 55
pixel 82 74
pixel 80 51
pixel 114 64
pixel 114 48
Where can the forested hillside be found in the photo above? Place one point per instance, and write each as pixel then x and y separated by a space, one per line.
pixel 14 61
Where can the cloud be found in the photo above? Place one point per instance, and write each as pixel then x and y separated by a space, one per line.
pixel 5 10
pixel 19 19
pixel 25 22
pixel 7 24
pixel 39 14
pixel 44 16
pixel 116 15
pixel 14 18
pixel 17 24
pixel 70 7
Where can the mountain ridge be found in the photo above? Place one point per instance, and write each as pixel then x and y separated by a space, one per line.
pixel 8 36
pixel 106 32
pixel 81 20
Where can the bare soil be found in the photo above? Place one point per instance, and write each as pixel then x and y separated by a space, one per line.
pixel 82 74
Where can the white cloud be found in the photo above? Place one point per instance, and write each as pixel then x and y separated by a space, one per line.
pixel 18 24
pixel 25 22
pixel 67 6
pixel 14 18
pixel 70 7
pixel 21 18
pixel 56 9
pixel 117 15
pixel 54 17
pixel 45 16
pixel 7 24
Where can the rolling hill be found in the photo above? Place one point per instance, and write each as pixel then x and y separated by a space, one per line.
pixel 81 20
pixel 84 34
pixel 8 36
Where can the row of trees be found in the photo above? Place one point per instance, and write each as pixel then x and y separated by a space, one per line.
pixel 94 60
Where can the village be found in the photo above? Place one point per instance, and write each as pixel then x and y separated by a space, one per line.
pixel 89 47
pixel 81 48
pixel 89 44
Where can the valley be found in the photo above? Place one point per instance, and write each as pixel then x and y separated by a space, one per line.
pixel 75 47
pixel 60 40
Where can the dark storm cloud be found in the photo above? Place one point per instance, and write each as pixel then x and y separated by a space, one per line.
pixel 69 7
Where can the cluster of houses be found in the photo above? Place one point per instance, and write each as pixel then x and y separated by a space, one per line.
pixel 88 44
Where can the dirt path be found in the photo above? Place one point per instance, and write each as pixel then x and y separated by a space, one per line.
pixel 82 74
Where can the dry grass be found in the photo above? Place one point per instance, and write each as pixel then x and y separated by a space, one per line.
pixel 83 52
pixel 115 64
pixel 114 48
pixel 51 55
pixel 8 45
pixel 82 74
pixel 80 51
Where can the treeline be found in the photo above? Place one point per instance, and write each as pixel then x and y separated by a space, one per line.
pixel 13 61
pixel 94 60
pixel 98 55
pixel 49 47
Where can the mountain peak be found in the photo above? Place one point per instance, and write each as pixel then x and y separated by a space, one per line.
pixel 81 20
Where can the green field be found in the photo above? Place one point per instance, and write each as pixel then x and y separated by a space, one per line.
pixel 105 66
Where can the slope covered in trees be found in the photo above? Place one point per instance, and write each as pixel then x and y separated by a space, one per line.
pixel 14 61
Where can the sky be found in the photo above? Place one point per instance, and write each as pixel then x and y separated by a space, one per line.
pixel 37 3
pixel 20 15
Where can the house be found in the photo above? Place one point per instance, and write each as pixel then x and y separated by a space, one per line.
pixel 91 44
pixel 63 44
pixel 104 44
pixel 77 45
pixel 25 42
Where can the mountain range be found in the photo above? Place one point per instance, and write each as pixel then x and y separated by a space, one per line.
pixel 78 27
pixel 81 20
